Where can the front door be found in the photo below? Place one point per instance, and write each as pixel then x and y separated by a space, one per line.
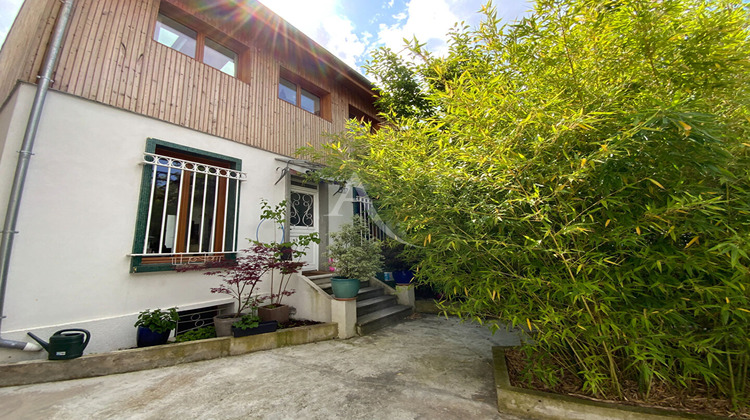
pixel 303 218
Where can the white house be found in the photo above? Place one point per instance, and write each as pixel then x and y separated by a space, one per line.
pixel 222 96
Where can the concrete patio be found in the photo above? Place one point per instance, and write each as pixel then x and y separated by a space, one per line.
pixel 428 367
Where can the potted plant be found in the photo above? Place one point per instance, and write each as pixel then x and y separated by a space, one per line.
pixel 252 325
pixel 355 258
pixel 399 263
pixel 154 326
pixel 239 278
pixel 283 259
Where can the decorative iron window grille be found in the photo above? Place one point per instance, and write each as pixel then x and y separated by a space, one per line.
pixel 302 209
pixel 196 318
pixel 193 209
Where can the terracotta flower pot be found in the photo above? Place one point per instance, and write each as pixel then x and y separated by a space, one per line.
pixel 279 313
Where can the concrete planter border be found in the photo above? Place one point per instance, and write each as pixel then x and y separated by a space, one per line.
pixel 548 406
pixel 130 360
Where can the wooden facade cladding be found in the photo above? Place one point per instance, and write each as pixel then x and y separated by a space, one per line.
pixel 109 56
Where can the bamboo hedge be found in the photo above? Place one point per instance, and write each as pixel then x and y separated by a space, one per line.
pixel 584 173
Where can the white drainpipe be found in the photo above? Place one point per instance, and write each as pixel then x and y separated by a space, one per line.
pixel 14 201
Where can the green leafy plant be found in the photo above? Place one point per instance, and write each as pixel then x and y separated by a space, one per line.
pixel 585 176
pixel 399 257
pixel 284 258
pixel 278 260
pixel 201 333
pixel 247 322
pixel 401 91
pixel 157 320
pixel 239 276
pixel 354 255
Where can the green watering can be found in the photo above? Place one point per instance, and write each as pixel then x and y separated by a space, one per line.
pixel 65 344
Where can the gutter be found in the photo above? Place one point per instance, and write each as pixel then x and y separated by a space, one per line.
pixel 22 167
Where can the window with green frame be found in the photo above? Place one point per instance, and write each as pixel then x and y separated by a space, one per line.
pixel 188 207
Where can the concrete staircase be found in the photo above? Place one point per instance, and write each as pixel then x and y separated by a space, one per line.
pixel 375 309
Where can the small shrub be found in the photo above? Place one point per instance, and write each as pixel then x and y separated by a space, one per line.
pixel 247 322
pixel 201 333
pixel 353 255
pixel 157 320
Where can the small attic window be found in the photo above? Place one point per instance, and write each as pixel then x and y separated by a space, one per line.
pixel 219 57
pixel 194 44
pixel 302 93
pixel 287 91
pixel 175 35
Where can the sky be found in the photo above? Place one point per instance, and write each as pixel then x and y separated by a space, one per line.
pixel 351 29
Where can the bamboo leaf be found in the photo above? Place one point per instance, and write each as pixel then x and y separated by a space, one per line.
pixel 692 241
pixel 656 183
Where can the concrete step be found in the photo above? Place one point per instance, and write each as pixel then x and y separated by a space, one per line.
pixel 315 278
pixel 382 318
pixel 309 273
pixel 321 282
pixel 367 292
pixel 367 306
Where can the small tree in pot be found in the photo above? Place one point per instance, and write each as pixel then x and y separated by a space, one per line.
pixel 239 278
pixel 285 259
pixel 355 258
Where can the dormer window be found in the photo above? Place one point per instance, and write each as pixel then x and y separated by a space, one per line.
pixel 194 44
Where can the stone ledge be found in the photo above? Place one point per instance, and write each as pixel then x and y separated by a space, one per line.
pixel 130 360
pixel 548 406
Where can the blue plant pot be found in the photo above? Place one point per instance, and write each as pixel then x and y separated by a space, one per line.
pixel 344 288
pixel 403 276
pixel 147 338
pixel 262 328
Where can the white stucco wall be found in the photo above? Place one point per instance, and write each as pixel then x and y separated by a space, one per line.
pixel 69 266
pixel 340 208
pixel 309 303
